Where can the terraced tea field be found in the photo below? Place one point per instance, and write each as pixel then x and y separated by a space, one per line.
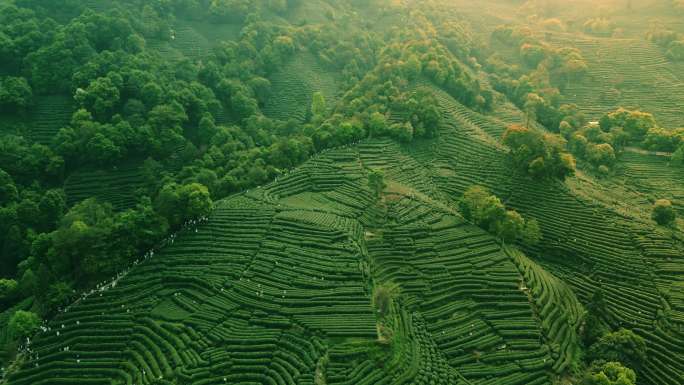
pixel 117 187
pixel 293 87
pixel 50 114
pixel 275 288
pixel 625 72
pixel 279 284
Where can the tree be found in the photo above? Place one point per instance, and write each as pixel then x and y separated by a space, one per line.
pixel 23 324
pixel 661 139
pixel 488 212
pixel 15 94
pixel 594 324
pixel 78 247
pixel 601 155
pixel 635 123
pixel 542 156
pixel 599 26
pixel 510 227
pixel 413 67
pixel 179 203
pixel 8 191
pixel 533 103
pixel 532 234
pixel 8 290
pixel 376 182
pixel 609 373
pixel 479 206
pixel 663 212
pixel 318 107
pixel 622 346
pixel 52 207
pixel 532 54
pixel 377 125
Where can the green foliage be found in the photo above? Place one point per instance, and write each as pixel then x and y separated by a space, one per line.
pixel 635 123
pixel 488 212
pixel 532 54
pixel 93 242
pixel 595 323
pixel 383 297
pixel 531 234
pixel 318 106
pixel 601 155
pixel 102 95
pixel 621 346
pixel 661 139
pixel 609 373
pixel 535 88
pixel 376 182
pixel 541 156
pixel 8 191
pixel 675 51
pixel 23 324
pixel 8 290
pixel 662 37
pixel 15 94
pixel 678 156
pixel 377 124
pixel 180 203
pixel 27 162
pixel 663 212
pixel 230 10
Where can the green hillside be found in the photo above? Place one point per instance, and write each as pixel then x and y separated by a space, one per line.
pixel 199 192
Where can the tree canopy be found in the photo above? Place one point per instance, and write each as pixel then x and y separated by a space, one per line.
pixel 663 212
pixel 539 155
pixel 621 346
pixel 609 373
pixel 23 323
pixel 487 211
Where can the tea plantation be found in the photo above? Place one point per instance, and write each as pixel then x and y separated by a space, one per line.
pixel 323 192
pixel 275 287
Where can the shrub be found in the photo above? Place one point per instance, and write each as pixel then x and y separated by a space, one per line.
pixel 663 212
